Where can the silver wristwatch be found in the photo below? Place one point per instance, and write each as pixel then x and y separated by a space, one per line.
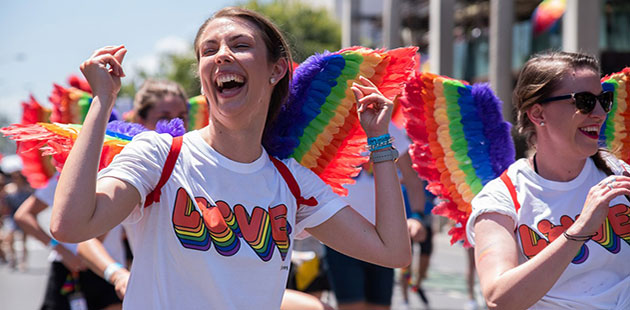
pixel 384 155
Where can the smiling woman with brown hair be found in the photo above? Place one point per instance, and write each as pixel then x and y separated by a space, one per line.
pixel 224 192
pixel 568 198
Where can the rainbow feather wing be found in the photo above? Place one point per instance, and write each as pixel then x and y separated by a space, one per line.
pixel 198 112
pixel 36 168
pixel 614 133
pixel 319 125
pixel 57 139
pixel 460 141
pixel 70 105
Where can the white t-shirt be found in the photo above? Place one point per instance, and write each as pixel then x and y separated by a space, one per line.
pixel 112 243
pixel 361 193
pixel 222 233
pixel 599 276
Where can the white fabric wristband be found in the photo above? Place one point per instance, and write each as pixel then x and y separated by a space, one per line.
pixel 109 271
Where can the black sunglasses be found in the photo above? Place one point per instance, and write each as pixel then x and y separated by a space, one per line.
pixel 585 101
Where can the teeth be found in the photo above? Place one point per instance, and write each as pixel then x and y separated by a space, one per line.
pixel 228 77
pixel 591 129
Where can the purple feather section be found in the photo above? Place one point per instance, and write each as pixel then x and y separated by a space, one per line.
pixel 496 130
pixel 278 138
pixel 124 130
pixel 174 127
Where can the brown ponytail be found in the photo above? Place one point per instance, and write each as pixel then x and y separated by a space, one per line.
pixel 600 162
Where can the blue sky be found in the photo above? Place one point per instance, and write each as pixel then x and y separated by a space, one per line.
pixel 45 41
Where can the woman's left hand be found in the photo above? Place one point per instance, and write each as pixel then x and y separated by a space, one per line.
pixel 375 110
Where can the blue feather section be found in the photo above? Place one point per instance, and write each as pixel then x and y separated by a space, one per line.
pixel 312 83
pixel 476 141
pixel 496 130
pixel 602 132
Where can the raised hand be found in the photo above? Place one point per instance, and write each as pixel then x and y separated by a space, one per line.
pixel 597 204
pixel 375 110
pixel 103 70
pixel 119 279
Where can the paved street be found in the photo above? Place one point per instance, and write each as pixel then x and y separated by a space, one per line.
pixel 445 286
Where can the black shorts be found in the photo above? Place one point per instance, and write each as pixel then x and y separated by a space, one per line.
pixel 97 292
pixel 318 284
pixel 354 280
pixel 426 246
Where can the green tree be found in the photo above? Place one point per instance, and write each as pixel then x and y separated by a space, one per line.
pixel 309 30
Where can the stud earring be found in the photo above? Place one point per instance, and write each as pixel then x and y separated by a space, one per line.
pixel 272 80
pixel 542 123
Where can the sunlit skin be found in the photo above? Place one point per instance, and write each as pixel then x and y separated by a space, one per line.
pixel 234 47
pixel 166 108
pixel 564 142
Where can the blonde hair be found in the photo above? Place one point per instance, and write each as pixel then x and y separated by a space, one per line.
pixel 153 91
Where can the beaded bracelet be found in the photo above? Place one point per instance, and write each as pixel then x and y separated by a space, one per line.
pixel 380 142
pixel 578 238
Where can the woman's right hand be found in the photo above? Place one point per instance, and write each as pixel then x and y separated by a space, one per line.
pixel 103 71
pixel 597 204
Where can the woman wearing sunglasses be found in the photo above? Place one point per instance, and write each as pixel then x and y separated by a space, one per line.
pixel 552 232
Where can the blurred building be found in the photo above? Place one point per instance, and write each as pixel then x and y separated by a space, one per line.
pixel 486 40
pixel 471 30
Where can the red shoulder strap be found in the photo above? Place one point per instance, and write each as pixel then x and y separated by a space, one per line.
pixel 293 185
pixel 173 153
pixel 511 189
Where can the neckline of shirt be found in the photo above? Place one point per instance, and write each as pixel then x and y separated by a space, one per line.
pixel 225 162
pixel 534 177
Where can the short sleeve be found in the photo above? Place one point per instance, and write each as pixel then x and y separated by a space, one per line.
pixel 494 197
pixel 328 203
pixel 141 162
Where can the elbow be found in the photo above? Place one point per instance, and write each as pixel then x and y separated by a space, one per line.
pixel 405 260
pixel 64 233
pixel 399 261
pixel 495 301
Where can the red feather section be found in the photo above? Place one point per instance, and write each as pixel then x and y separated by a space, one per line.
pixel 347 160
pixel 65 103
pixel 79 83
pixel 36 168
pixel 57 140
pixel 42 140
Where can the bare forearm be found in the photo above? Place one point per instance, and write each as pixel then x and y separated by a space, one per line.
pixel 95 255
pixel 26 218
pixel 413 184
pixel 75 196
pixel 525 284
pixel 391 224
